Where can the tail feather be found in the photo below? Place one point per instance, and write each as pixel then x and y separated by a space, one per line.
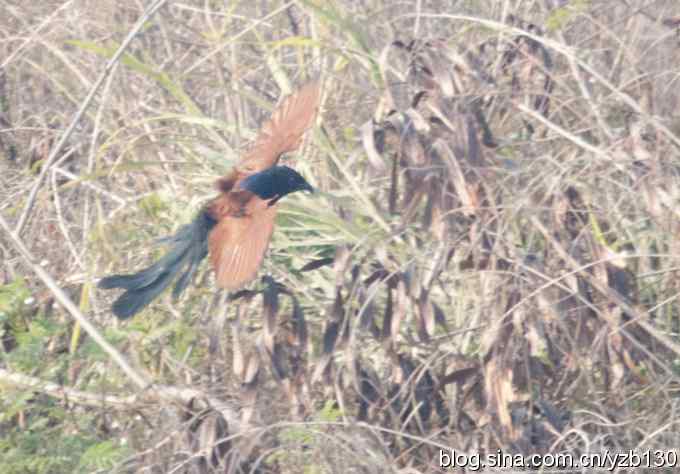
pixel 134 300
pixel 195 256
pixel 189 248
pixel 149 275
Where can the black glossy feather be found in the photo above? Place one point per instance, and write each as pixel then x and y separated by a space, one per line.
pixel 189 248
pixel 275 182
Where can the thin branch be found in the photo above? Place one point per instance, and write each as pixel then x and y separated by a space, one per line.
pixel 609 293
pixel 86 103
pixel 59 391
pixel 36 34
pixel 139 380
pixel 150 392
pixel 95 187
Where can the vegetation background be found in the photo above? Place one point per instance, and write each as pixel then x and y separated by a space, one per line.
pixel 492 262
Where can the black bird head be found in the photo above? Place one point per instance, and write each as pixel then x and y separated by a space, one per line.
pixel 275 182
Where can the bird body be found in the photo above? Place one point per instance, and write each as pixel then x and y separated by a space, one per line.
pixel 234 228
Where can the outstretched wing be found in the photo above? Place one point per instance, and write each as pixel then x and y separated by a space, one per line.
pixel 245 222
pixel 239 240
pixel 282 133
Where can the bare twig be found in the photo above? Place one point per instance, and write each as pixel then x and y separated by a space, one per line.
pixel 59 391
pixel 138 379
pixel 36 34
pixel 86 103
pixel 93 186
pixel 607 292
pixel 149 392
pixel 570 53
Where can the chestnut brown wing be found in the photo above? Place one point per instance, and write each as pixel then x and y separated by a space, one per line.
pixel 240 239
pixel 283 132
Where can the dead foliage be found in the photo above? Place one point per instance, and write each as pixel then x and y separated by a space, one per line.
pixel 555 334
pixel 511 287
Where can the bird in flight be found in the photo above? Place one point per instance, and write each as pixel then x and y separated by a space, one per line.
pixel 236 226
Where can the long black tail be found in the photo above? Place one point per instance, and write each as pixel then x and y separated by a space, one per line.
pixel 189 248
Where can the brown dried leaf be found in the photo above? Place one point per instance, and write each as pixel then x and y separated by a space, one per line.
pixel 401 308
pixel 425 318
pixel 368 139
pixel 387 316
pixel 277 358
pixel 469 200
pixel 299 326
pixel 330 337
pixel 367 313
pixel 270 308
pixel 318 263
pixel 208 436
pixel 459 376
pixel 368 393
pixel 439 316
pixel 252 370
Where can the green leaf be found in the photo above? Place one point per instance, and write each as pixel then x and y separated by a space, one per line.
pixel 296 41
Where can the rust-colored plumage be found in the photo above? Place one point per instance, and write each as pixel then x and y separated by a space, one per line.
pixel 235 227
pixel 245 225
pixel 238 244
pixel 283 132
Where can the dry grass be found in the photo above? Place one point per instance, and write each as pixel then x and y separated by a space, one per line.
pixel 492 262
